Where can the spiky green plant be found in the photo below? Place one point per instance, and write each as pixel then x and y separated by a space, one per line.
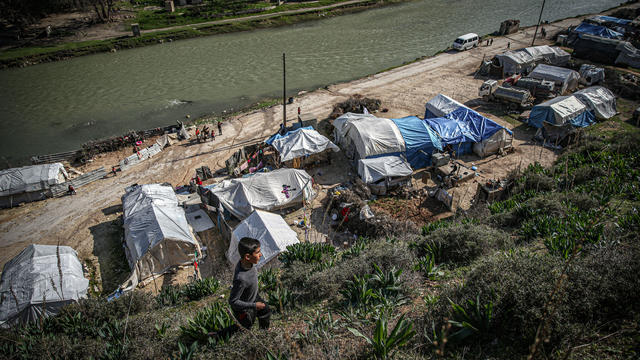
pixel 306 253
pixel 210 319
pixel 201 288
pixel 386 344
pixel 471 318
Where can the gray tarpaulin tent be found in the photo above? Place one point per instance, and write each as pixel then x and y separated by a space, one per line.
pixel 156 232
pixel 270 229
pixel 566 79
pixel 33 285
pixel 364 135
pixel 439 106
pixel 524 60
pixel 302 142
pixel 598 99
pixel 266 191
pixel 383 167
pixel 29 183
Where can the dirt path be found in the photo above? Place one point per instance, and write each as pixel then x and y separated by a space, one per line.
pixel 89 221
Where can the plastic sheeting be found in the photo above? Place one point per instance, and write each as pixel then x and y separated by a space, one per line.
pixel 369 135
pixel 567 79
pixel 266 191
pixel 270 229
pixel 156 232
pixel 561 111
pixel 550 54
pixel 598 30
pixel 376 169
pixel 301 143
pixel 629 55
pixel 277 135
pixel 440 106
pixel 591 74
pixel 419 139
pixel 32 287
pixel 31 178
pixel 515 62
pixel 598 99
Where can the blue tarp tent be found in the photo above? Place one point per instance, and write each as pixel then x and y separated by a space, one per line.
pixel 417 137
pixel 278 136
pixel 561 111
pixel 464 127
pixel 610 19
pixel 598 30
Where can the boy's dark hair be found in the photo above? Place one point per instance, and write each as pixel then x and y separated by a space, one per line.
pixel 247 245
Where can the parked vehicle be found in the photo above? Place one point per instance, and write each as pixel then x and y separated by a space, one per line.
pixel 514 97
pixel 466 42
pixel 541 89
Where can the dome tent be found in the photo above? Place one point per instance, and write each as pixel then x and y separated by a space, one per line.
pixel 39 282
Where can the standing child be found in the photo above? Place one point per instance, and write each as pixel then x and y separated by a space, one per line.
pixel 244 299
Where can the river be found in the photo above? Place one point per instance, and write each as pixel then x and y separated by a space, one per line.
pixel 56 107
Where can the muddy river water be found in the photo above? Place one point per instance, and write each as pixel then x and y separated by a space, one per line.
pixel 58 106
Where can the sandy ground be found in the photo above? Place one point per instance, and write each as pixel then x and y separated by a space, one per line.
pixel 91 221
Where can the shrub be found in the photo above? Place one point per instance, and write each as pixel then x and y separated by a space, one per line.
pixel 169 296
pixel 213 318
pixel 201 288
pixel 306 253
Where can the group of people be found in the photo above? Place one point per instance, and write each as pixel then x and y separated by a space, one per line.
pixel 205 133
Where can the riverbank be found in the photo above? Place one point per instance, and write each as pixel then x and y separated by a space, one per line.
pixel 22 57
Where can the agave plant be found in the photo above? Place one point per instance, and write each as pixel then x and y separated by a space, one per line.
pixel 428 267
pixel 359 291
pixel 471 319
pixel 211 319
pixel 321 326
pixel 386 344
pixel 387 282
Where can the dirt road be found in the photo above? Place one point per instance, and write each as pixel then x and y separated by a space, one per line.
pixel 90 221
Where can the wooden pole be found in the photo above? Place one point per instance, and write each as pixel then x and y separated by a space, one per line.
pixel 539 19
pixel 284 92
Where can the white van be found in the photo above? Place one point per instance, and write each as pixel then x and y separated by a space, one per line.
pixel 466 41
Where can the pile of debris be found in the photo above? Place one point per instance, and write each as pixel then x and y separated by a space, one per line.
pixel 355 104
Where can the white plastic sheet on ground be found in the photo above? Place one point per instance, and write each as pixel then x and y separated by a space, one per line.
pixel 566 78
pixel 368 134
pixel 599 99
pixel 157 235
pixel 31 178
pixel 265 191
pixel 302 142
pixel 270 229
pixel 31 286
pixel 375 169
pixel 441 105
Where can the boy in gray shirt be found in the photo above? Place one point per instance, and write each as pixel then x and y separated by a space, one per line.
pixel 245 301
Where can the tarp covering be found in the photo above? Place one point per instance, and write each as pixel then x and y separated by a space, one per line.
pixel 31 178
pixel 549 54
pixel 156 232
pixel 439 106
pixel 598 30
pixel 277 135
pixel 301 143
pixel 629 55
pixel 369 135
pixel 598 99
pixel 560 111
pixel 419 139
pixel 567 79
pixel 609 19
pixel 591 74
pixel 516 62
pixel 376 169
pixel 265 191
pixel 31 285
pixel 270 229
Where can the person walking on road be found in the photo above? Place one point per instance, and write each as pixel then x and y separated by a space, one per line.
pixel 220 127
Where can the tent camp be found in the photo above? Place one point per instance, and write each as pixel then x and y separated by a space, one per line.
pixel 419 139
pixel 565 79
pixel 515 62
pixel 560 111
pixel 598 99
pixel 439 106
pixel 364 135
pixel 39 282
pixel 466 130
pixel 270 229
pixel 272 190
pixel 300 143
pixel 156 232
pixel 598 30
pixel 549 54
pixel 29 183
pixel 383 168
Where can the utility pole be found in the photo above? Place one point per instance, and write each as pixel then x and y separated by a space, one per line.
pixel 539 18
pixel 284 93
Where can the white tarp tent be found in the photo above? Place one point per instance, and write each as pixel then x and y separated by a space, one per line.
pixel 440 105
pixel 302 142
pixel 33 285
pixel 31 178
pixel 560 111
pixel 515 62
pixel 566 79
pixel 368 135
pixel 375 169
pixel 548 54
pixel 270 229
pixel 599 99
pixel 156 232
pixel 266 191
